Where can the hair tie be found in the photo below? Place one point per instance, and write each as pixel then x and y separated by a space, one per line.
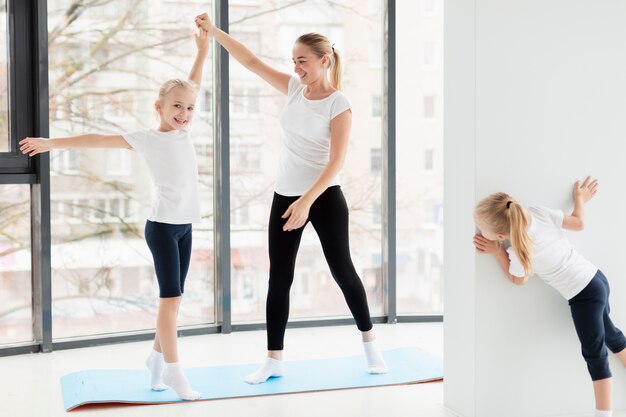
pixel 332 47
pixel 508 204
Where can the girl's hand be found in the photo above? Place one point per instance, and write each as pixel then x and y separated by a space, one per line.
pixel 33 146
pixel 586 191
pixel 203 21
pixel 484 245
pixel 202 41
pixel 298 214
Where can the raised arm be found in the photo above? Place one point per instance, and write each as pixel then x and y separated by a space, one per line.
pixel 582 194
pixel 33 146
pixel 202 45
pixel 277 79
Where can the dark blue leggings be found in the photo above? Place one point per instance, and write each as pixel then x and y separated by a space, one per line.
pixel 590 311
pixel 170 245
pixel 329 217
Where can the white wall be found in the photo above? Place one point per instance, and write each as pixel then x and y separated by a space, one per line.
pixel 535 97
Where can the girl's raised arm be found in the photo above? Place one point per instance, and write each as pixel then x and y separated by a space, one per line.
pixel 202 43
pixel 277 79
pixel 33 146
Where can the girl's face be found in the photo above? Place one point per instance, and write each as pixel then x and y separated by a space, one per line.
pixel 176 109
pixel 488 234
pixel 307 65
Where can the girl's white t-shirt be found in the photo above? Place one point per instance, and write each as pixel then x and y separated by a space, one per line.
pixel 306 138
pixel 171 160
pixel 554 258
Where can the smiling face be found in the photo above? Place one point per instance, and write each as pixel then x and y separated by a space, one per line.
pixel 176 109
pixel 309 66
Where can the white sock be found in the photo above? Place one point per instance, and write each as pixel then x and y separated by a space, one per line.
pixel 375 362
pixel 604 413
pixel 270 368
pixel 155 364
pixel 173 377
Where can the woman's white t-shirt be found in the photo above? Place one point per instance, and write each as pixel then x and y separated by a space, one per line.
pixel 306 138
pixel 554 258
pixel 171 159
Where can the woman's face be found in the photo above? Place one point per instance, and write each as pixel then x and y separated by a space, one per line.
pixel 176 109
pixel 307 65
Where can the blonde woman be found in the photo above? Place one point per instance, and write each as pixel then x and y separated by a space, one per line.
pixel 170 156
pixel 316 125
pixel 539 246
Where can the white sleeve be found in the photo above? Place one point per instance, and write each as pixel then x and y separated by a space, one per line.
pixel 137 139
pixel 557 217
pixel 554 216
pixel 339 105
pixel 515 267
pixel 292 87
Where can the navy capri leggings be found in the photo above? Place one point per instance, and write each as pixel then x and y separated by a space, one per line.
pixel 170 245
pixel 590 311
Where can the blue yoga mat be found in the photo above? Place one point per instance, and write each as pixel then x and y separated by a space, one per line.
pixel 406 366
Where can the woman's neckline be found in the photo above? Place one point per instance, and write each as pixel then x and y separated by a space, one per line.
pixel 317 99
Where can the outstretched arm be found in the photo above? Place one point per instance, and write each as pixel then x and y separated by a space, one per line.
pixel 33 146
pixel 582 194
pixel 484 245
pixel 277 79
pixel 202 44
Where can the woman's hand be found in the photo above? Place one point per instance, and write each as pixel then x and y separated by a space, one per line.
pixel 33 146
pixel 484 245
pixel 297 213
pixel 585 191
pixel 204 22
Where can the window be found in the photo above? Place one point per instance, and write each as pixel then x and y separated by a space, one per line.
pixel 429 7
pixel 377 107
pixel 376 161
pixel 429 55
pixel 429 159
pixel 375 54
pixel 15 265
pixel 429 107
pixel 419 146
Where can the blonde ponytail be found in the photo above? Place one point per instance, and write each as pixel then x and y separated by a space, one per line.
pixel 520 240
pixel 335 70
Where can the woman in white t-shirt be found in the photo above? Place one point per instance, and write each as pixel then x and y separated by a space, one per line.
pixel 316 127
pixel 538 245
pixel 170 156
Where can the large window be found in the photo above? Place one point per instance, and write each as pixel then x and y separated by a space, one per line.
pixel 93 274
pixel 270 29
pixel 15 261
pixel 419 157
pixel 107 61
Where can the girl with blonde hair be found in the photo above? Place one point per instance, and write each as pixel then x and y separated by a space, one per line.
pixel 170 156
pixel 539 246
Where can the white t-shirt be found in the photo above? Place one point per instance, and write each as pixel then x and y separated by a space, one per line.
pixel 171 159
pixel 306 138
pixel 554 258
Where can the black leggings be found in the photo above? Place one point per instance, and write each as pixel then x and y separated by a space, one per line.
pixel 590 311
pixel 170 245
pixel 329 216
